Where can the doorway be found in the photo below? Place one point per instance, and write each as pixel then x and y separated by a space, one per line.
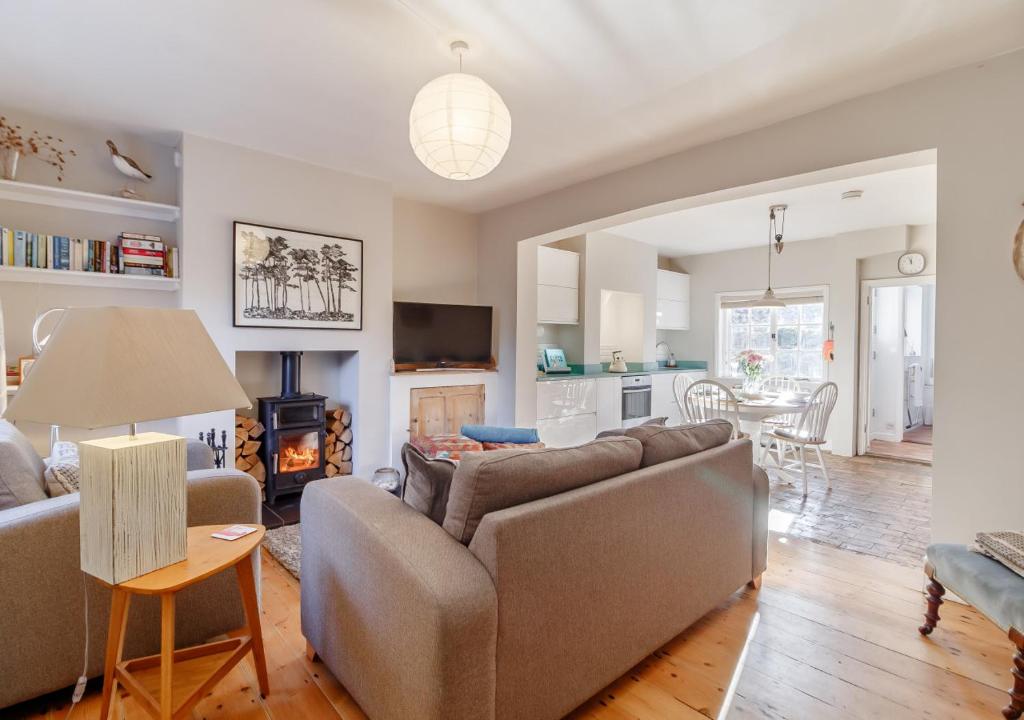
pixel 898 369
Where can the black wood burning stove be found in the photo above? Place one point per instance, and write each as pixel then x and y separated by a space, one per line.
pixel 293 451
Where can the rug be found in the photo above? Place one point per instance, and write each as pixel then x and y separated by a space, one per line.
pixel 285 545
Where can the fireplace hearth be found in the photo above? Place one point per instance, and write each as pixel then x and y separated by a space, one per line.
pixel 295 423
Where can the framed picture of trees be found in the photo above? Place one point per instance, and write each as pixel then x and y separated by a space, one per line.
pixel 294 279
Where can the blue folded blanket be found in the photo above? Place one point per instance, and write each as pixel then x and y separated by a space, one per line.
pixel 494 434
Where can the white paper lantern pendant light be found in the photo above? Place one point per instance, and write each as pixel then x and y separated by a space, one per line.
pixel 459 126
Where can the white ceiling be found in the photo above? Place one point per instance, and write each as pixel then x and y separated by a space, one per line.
pixel 592 85
pixel 906 196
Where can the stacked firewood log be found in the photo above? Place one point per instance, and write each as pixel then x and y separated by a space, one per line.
pixel 338 444
pixel 247 448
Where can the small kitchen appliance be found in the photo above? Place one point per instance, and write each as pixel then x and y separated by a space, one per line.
pixel 618 365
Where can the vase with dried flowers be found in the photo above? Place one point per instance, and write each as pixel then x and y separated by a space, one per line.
pixel 14 143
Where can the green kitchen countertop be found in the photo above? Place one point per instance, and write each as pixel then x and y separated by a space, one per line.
pixel 598 371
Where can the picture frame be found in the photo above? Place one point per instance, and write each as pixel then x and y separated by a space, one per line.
pixel 24 366
pixel 286 278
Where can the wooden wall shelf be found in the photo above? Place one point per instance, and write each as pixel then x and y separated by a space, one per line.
pixel 81 200
pixel 10 273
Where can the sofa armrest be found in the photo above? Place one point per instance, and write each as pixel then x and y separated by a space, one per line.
pixel 42 625
pixel 762 509
pixel 402 613
pixel 199 455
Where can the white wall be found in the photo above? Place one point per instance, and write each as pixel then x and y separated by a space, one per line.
pixel 625 266
pixel 971 116
pixel 222 183
pixel 434 254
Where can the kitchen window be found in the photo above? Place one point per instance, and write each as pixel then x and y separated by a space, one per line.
pixel 790 336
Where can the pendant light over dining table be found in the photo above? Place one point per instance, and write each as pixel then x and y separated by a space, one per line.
pixel 459 126
pixel 776 227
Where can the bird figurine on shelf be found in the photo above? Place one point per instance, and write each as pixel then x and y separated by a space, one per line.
pixel 129 168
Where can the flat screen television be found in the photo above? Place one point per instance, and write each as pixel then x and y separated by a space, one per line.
pixel 431 335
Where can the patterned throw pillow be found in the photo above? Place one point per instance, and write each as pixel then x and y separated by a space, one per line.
pixel 1005 547
pixel 62 469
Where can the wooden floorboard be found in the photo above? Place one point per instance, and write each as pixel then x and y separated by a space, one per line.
pixel 830 634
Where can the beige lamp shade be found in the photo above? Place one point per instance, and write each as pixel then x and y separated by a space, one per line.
pixel 109 366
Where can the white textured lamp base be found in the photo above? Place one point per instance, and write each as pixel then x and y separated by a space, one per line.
pixel 133 505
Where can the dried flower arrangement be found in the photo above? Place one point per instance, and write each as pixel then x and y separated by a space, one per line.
pixel 47 148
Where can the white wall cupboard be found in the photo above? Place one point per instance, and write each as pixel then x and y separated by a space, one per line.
pixel 558 282
pixel 673 306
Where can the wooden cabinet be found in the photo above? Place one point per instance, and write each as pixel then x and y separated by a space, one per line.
pixel 673 306
pixel 558 281
pixel 444 410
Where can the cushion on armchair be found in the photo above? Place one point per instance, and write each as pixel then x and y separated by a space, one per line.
pixel 427 482
pixel 21 469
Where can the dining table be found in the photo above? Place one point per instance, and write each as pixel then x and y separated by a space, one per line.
pixel 752 410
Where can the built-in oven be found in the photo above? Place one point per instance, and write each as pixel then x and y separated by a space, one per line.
pixel 636 400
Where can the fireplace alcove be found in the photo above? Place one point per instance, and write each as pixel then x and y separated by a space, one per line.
pixel 291 390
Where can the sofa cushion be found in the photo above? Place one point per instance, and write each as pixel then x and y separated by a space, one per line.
pixel 62 469
pixel 489 481
pixel 661 444
pixel 21 469
pixel 427 482
pixel 619 432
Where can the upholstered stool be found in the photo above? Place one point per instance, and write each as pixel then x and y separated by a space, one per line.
pixel 992 589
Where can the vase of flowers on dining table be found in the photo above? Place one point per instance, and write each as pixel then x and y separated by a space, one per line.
pixel 753 365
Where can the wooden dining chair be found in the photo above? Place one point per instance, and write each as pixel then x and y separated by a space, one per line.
pixel 779 385
pixel 680 384
pixel 708 400
pixel 808 430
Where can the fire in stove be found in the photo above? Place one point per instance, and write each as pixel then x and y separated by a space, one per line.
pixel 299 453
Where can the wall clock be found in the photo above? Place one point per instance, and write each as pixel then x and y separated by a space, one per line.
pixel 911 263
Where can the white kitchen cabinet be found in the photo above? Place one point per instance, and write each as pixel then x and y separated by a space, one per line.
pixel 609 403
pixel 558 267
pixel 673 306
pixel 673 315
pixel 568 431
pixel 567 411
pixel 663 399
pixel 558 305
pixel 558 282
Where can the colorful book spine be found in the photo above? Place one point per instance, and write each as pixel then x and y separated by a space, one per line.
pixel 141 236
pixel 20 247
pixel 156 272
pixel 154 245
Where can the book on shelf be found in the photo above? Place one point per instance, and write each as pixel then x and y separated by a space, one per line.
pixel 131 253
pixel 141 236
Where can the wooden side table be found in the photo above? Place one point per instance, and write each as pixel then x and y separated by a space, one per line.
pixel 169 685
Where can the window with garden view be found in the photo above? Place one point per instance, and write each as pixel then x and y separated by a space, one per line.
pixel 791 337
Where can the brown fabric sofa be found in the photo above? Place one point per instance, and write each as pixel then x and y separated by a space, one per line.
pixel 550 601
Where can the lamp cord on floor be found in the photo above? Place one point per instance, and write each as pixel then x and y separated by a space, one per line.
pixel 79 691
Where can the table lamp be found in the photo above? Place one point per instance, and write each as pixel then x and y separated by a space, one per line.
pixel 107 366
